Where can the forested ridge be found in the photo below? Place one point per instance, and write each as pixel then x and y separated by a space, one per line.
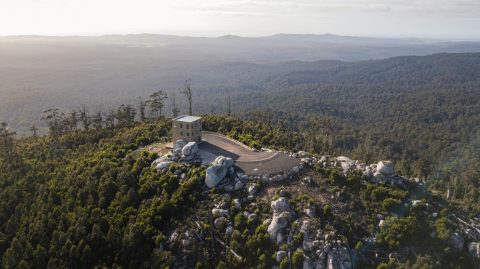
pixel 421 112
pixel 83 199
pixel 84 195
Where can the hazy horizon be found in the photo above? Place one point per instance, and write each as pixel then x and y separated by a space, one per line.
pixel 452 20
pixel 438 39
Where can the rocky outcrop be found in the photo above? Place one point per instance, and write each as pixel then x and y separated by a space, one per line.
pixel 386 168
pixel 182 152
pixel 214 175
pixel 382 172
pixel 163 165
pixel 191 148
pixel 338 258
pixel 224 161
pixel 223 173
pixel 279 221
pixel 346 163
pixel 280 205
pixel 275 178
pixel 158 160
pixel 323 250
pixel 190 152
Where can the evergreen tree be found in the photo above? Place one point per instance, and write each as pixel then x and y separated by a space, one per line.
pixel 6 142
pixel 55 120
pixel 142 105
pixel 156 103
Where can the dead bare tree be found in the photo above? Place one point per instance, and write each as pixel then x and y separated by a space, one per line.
pixel 34 130
pixel 229 108
pixel 175 109
pixel 187 91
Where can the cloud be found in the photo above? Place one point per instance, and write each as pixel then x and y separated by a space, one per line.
pixel 312 7
pixel 249 17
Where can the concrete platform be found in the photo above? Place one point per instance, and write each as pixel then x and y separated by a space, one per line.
pixel 252 163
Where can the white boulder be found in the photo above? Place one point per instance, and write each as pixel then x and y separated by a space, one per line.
pixel 163 165
pixel 280 205
pixel 191 148
pixel 345 159
pixel 224 161
pixel 346 163
pixel 278 223
pixel 158 160
pixel 214 175
pixel 386 168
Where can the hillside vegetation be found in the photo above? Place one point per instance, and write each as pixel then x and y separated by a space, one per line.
pixel 83 199
pixel 422 112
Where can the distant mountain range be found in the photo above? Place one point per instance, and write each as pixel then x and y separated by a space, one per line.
pixel 275 48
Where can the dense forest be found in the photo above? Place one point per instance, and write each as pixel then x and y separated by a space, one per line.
pixel 421 112
pixel 84 194
pixel 81 198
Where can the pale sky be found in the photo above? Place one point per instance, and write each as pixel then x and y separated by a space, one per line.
pixel 457 19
